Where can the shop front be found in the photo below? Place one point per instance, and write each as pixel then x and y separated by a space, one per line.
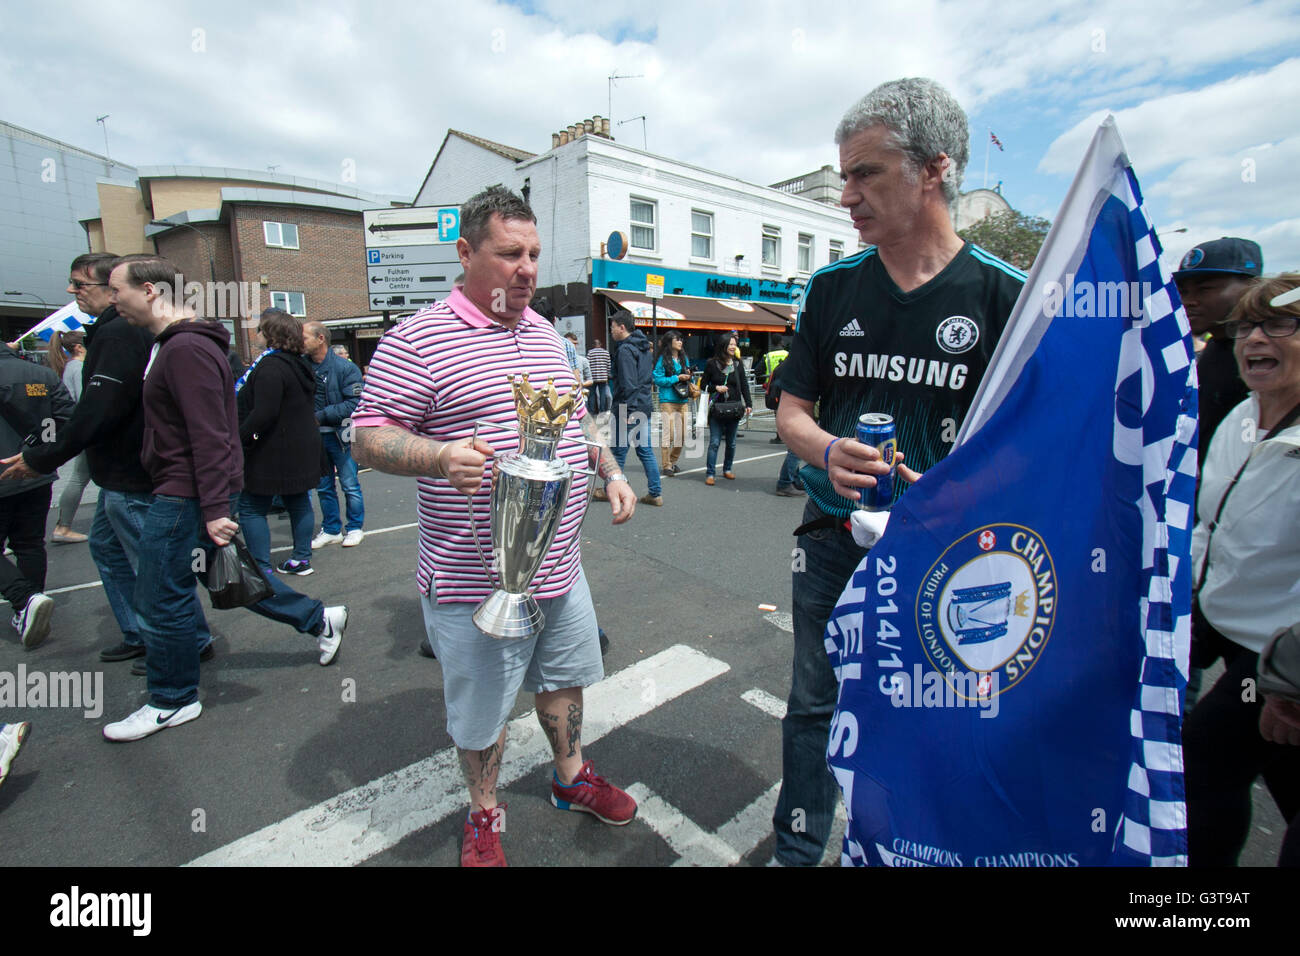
pixel 700 305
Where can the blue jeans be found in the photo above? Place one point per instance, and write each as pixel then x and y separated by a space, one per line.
pixel 789 472
pixel 172 530
pixel 630 428
pixel 253 510
pixel 806 805
pixel 115 549
pixel 340 456
pixel 718 432
pixel 599 398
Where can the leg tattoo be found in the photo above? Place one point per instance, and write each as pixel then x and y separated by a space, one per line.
pixel 575 729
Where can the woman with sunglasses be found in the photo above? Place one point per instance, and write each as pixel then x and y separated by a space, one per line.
pixel 1246 569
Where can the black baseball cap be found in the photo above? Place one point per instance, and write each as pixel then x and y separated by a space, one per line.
pixel 1226 256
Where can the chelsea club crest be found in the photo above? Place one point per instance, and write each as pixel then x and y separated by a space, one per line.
pixel 987 606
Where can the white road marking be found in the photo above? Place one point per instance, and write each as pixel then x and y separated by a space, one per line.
pixel 287 547
pixel 738 461
pixel 748 828
pixel 782 620
pixel 694 845
pixel 765 702
pixel 356 825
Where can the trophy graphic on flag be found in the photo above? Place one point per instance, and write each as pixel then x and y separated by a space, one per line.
pixel 530 490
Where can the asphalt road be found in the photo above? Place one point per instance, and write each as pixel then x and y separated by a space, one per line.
pixel 351 764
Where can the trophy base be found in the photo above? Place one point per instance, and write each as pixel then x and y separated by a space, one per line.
pixel 507 616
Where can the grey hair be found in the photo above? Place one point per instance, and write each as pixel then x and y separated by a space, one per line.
pixel 477 212
pixel 923 120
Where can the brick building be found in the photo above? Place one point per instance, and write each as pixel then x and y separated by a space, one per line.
pixel 245 241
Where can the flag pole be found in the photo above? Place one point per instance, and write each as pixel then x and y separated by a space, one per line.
pixel 986 157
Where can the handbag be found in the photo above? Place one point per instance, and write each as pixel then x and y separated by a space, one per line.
pixel 729 410
pixel 234 579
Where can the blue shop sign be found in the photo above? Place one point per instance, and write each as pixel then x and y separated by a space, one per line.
pixel 630 277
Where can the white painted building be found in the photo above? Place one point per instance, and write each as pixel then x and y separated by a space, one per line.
pixel 675 216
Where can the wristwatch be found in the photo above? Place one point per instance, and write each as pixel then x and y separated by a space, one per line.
pixel 617 476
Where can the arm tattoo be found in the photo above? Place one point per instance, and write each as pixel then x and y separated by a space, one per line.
pixel 396 451
pixel 606 465
pixel 575 729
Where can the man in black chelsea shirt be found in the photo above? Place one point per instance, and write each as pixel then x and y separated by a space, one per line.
pixel 906 327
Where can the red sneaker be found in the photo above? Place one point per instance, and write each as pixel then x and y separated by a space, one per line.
pixel 482 843
pixel 592 794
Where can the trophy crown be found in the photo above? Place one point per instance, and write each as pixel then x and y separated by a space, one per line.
pixel 544 406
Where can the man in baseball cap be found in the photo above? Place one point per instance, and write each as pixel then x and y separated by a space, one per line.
pixel 1211 278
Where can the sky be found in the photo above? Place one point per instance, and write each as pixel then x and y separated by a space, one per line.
pixel 363 93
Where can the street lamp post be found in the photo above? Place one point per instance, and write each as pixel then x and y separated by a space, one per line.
pixel 32 294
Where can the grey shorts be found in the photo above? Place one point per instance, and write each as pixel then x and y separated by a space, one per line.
pixel 482 676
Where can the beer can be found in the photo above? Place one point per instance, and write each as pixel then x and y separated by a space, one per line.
pixel 877 429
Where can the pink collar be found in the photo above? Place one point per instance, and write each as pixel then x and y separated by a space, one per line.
pixel 469 313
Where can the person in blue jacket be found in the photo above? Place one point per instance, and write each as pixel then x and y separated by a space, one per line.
pixel 338 390
pixel 672 373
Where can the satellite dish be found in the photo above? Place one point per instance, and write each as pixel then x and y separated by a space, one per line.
pixel 616 245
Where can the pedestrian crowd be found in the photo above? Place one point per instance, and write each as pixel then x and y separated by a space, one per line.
pixel 185 456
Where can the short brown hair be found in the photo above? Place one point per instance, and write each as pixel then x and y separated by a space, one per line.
pixel 281 331
pixel 1253 306
pixel 97 264
pixel 144 267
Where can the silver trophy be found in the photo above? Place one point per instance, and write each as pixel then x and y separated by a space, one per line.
pixel 530 489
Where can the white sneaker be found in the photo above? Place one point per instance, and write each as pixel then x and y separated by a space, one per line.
pixel 324 538
pixel 11 738
pixel 353 538
pixel 336 622
pixel 149 720
pixel 33 623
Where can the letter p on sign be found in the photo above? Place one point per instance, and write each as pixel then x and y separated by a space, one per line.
pixel 448 225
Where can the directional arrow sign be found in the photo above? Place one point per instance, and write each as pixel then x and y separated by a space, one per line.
pixel 411 225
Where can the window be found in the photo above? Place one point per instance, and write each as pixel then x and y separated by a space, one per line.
pixel 701 235
pixel 772 246
pixel 643 224
pixel 283 235
pixel 805 252
pixel 837 250
pixel 291 302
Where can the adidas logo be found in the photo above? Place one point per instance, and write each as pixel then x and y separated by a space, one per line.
pixel 852 329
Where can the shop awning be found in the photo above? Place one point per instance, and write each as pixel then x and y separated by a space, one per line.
pixel 692 312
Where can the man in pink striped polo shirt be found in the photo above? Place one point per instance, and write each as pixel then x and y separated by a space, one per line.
pixel 430 380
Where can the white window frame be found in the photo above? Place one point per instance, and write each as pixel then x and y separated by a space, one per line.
pixel 837 250
pixel 806 242
pixel 708 236
pixel 286 303
pixel 278 242
pixel 772 233
pixel 634 224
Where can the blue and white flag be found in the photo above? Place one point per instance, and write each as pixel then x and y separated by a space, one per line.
pixel 67 319
pixel 1012 654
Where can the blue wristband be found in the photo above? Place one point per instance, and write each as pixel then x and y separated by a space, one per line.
pixel 826 457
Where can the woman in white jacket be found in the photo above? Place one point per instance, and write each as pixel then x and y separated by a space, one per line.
pixel 1246 566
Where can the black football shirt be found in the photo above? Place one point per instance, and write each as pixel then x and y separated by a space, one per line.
pixel 863 345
